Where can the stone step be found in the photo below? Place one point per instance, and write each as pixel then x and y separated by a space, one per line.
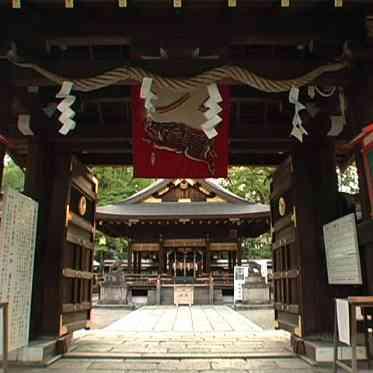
pixel 179 355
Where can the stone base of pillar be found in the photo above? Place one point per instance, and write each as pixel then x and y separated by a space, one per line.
pixel 321 352
pixel 39 352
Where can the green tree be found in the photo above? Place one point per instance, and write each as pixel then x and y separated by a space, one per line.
pixel 253 184
pixel 348 179
pixel 258 248
pixel 115 184
pixel 14 176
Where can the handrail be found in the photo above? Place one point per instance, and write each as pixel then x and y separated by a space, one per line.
pixel 4 306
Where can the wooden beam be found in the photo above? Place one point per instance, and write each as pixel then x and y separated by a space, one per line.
pixel 75 307
pixel 72 273
pixel 78 240
pixel 116 134
pixel 269 160
pixel 75 219
pixel 257 26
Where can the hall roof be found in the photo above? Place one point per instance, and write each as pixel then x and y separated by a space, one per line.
pixel 225 205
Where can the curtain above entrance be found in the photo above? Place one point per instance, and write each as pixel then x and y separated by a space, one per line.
pixel 184 137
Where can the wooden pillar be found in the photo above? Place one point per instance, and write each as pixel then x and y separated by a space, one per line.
pixel 194 263
pixel 134 265
pixel 208 258
pixel 239 256
pixel 39 184
pixel 184 263
pixel 161 255
pixel 129 258
pixel 360 113
pixel 316 203
pixel 2 156
pixel 6 115
pixel 54 232
pixel 139 261
pixel 135 259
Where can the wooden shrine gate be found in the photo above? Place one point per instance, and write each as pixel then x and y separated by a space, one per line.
pixel 285 245
pixel 78 255
pixel 304 197
pixel 67 194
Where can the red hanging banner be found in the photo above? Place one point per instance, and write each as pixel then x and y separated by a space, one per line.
pixel 176 141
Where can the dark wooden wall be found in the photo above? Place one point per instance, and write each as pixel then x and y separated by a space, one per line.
pixel 61 299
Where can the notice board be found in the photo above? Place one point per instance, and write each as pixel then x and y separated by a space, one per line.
pixel 240 275
pixel 342 251
pixel 17 251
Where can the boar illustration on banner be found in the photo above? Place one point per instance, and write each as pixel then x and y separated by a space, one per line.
pixel 180 136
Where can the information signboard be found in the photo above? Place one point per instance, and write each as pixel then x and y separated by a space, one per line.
pixel 17 251
pixel 342 251
pixel 240 275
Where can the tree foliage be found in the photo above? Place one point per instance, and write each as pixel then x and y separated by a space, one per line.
pixel 13 176
pixel 251 183
pixel 348 180
pixel 117 183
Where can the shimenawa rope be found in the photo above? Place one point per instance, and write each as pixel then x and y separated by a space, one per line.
pixel 235 73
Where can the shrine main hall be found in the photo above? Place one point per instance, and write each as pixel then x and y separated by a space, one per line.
pixel 186 230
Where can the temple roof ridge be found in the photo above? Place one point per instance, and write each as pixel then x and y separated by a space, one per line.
pixel 158 185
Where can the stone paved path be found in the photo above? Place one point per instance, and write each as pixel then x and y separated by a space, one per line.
pixel 196 320
pixel 168 331
pixel 284 365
